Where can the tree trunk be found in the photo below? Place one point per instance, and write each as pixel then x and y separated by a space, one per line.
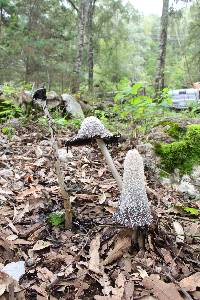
pixel 90 45
pixel 1 19
pixel 160 78
pixel 32 19
pixel 28 68
pixel 80 46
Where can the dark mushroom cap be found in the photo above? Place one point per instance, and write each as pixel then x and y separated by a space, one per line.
pixel 40 94
pixel 92 129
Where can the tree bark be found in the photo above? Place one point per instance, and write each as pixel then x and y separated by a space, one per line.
pixel 1 19
pixel 82 11
pixel 91 45
pixel 32 18
pixel 160 77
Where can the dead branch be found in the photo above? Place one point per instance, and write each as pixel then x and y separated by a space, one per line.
pixel 59 171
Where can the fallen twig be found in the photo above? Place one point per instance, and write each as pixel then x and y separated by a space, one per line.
pixel 58 169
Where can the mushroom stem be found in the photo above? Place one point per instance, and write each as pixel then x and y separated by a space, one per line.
pixel 110 162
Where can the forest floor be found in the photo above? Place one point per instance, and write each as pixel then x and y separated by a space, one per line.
pixel 94 260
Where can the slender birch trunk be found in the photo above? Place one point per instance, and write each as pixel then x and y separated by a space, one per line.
pixel 160 76
pixel 91 45
pixel 80 45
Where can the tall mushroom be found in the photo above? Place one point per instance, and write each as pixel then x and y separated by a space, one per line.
pixel 133 211
pixel 93 130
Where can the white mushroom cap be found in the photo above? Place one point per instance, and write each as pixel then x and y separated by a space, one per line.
pixel 92 127
pixel 133 209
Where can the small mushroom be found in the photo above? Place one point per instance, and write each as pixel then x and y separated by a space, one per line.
pixel 134 210
pixel 93 130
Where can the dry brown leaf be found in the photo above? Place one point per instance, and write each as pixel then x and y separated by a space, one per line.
pixel 20 214
pixel 6 281
pixel 27 192
pixel 39 245
pixel 39 290
pixel 6 191
pixel 129 290
pixel 86 197
pixel 45 274
pixel 149 298
pixel 83 286
pixel 41 297
pixel 179 232
pixel 94 262
pixel 120 284
pixel 105 283
pixel 20 242
pixel 196 295
pixel 110 209
pixel 191 283
pixel 102 198
pixel 162 290
pixel 12 226
pixel 11 237
pixel 107 298
pixel 101 172
pixel 166 255
pixel 121 246
pixel 142 272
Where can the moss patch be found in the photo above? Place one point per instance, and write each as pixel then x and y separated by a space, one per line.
pixel 176 131
pixel 182 154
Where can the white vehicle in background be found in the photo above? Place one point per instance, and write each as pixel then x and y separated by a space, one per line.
pixel 184 98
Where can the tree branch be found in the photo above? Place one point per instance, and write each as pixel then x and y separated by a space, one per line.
pixel 73 5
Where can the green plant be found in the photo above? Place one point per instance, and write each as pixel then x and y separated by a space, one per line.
pixel 42 121
pixel 61 122
pixel 9 110
pixel 175 130
pixel 189 210
pixel 139 111
pixel 56 218
pixel 9 89
pixel 164 98
pixel 75 122
pixel 103 116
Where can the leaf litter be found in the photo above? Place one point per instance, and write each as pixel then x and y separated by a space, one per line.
pixel 94 260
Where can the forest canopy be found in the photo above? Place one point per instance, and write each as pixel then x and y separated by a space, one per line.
pixel 101 42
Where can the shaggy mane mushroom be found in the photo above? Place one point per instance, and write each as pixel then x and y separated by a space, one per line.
pixel 133 211
pixel 92 130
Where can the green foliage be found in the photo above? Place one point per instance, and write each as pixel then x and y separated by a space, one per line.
pixel 164 99
pixel 9 89
pixel 192 211
pixel 189 210
pixel 42 121
pixel 182 154
pixel 75 122
pixel 9 110
pixel 9 131
pixel 56 218
pixel 174 129
pixel 61 122
pixel 139 110
pixel 103 116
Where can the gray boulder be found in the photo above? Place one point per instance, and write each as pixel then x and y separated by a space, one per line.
pixel 53 99
pixel 72 106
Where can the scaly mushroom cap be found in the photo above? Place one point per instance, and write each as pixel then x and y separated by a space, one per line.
pixel 133 209
pixel 92 129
